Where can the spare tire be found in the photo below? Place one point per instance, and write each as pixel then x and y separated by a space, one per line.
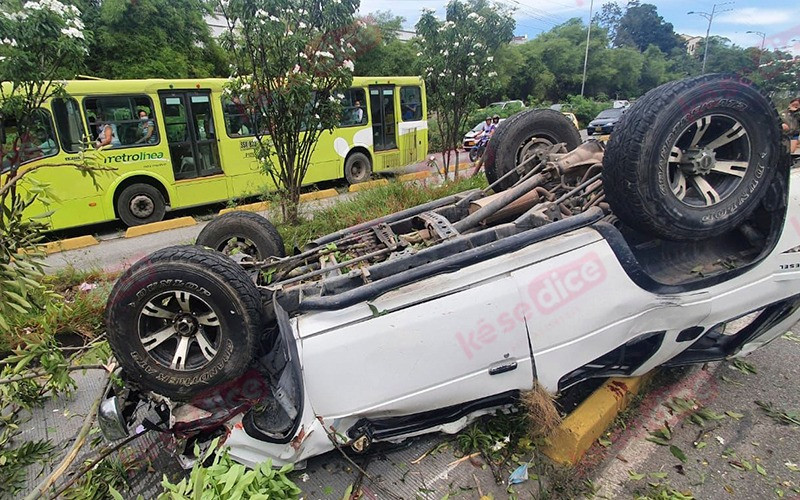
pixel 523 135
pixel 242 232
pixel 692 159
pixel 183 320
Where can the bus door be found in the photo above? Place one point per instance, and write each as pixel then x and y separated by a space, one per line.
pixel 192 138
pixel 384 130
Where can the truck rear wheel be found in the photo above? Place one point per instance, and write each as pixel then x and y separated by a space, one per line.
pixel 245 233
pixel 183 320
pixel 523 135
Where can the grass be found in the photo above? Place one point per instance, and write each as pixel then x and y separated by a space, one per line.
pixel 368 205
pixel 78 315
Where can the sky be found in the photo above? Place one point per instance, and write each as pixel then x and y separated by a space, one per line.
pixel 779 20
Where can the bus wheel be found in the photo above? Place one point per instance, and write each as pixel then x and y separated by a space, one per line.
pixel 140 204
pixel 242 234
pixel 184 319
pixel 357 168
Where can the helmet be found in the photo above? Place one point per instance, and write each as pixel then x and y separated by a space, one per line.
pixel 496 116
pixel 488 118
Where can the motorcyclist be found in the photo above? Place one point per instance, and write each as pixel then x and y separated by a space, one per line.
pixel 487 129
pixel 791 122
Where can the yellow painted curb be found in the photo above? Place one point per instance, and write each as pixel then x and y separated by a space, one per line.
pixel 367 185
pixel 261 206
pixel 70 244
pixel 155 227
pixel 414 176
pixel 590 419
pixel 318 195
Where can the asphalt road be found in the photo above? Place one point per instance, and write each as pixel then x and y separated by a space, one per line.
pixel 744 454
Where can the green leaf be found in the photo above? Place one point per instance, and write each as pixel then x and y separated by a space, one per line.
pixel 634 476
pixel 678 453
pixel 733 414
pixel 700 445
pixel 114 493
pixel 604 442
pixel 761 470
pixel 658 441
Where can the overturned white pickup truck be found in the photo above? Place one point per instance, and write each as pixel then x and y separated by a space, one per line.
pixel 587 261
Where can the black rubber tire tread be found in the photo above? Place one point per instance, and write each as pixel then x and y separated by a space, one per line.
pixel 249 225
pixel 353 158
pixel 155 274
pixel 501 151
pixel 629 165
pixel 490 153
pixel 123 204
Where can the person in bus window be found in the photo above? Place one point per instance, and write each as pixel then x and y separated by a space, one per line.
pixel 358 112
pixel 106 133
pixel 146 129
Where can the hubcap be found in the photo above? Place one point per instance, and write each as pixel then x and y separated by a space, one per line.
pixel 142 206
pixel 709 161
pixel 536 146
pixel 239 245
pixel 179 331
pixel 358 170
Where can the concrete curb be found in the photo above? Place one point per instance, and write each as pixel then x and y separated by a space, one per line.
pixel 416 176
pixel 582 427
pixel 319 195
pixel 156 227
pixel 260 206
pixel 367 185
pixel 70 244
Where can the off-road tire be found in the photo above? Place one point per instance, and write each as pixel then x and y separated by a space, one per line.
pixel 636 175
pixel 503 151
pixel 357 168
pixel 241 225
pixel 222 285
pixel 146 193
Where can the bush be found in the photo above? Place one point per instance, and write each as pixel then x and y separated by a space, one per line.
pixel 584 109
pixel 224 479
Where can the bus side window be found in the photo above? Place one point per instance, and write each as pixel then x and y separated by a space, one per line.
pixel 237 117
pixel 354 108
pixel 37 140
pixel 68 123
pixel 130 119
pixel 411 103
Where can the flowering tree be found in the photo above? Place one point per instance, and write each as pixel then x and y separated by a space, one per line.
pixel 457 54
pixel 40 42
pixel 290 59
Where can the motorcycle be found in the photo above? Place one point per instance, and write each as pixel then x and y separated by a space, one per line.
pixel 478 149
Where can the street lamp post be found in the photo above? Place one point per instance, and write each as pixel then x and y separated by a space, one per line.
pixel 710 17
pixel 586 54
pixel 763 39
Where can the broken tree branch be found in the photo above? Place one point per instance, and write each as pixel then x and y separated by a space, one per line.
pixel 17 378
pixel 89 466
pixel 76 446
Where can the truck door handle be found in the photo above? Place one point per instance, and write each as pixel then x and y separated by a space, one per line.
pixel 506 365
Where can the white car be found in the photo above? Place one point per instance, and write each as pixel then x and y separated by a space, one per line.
pixel 607 260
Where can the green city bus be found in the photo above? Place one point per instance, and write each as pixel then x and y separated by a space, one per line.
pixel 194 145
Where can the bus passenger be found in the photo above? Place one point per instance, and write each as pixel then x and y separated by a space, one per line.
pixel 146 129
pixel 106 133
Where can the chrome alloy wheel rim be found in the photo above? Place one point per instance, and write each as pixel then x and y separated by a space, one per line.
pixel 179 330
pixel 709 161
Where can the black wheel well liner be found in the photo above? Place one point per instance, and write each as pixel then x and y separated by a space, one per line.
pixel 626 258
pixel 139 179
